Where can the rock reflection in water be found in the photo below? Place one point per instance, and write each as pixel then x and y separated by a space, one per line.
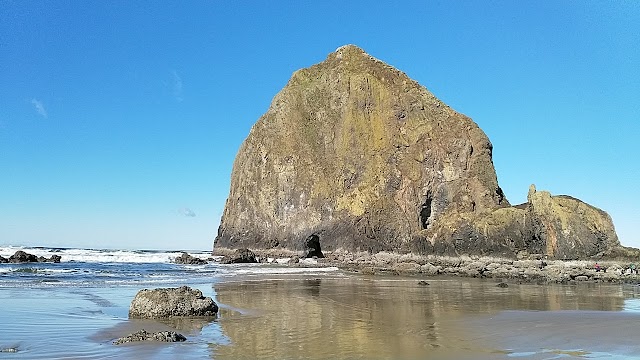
pixel 379 317
pixel 187 325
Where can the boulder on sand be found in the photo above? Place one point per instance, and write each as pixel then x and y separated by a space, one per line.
pixel 171 302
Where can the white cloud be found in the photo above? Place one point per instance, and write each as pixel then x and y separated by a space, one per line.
pixel 39 107
pixel 187 212
pixel 177 86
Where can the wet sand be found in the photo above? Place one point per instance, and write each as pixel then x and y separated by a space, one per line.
pixel 396 318
pixel 569 333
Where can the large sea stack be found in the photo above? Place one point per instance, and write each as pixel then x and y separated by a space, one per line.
pixel 354 151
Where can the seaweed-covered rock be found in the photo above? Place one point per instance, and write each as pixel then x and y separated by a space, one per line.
pixel 144 335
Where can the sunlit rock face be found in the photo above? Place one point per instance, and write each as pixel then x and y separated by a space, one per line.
pixel 356 152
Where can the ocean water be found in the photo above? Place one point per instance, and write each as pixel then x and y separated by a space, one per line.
pixel 77 308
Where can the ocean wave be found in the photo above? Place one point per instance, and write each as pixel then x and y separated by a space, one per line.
pixel 103 256
pixel 272 270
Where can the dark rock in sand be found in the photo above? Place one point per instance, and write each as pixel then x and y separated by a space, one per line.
pixel 240 256
pixel 503 285
pixel 143 335
pixel 171 302
pixel 312 247
pixel 423 283
pixel 355 150
pixel 189 260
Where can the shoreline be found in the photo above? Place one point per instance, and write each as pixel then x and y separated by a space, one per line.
pixel 381 309
pixel 501 269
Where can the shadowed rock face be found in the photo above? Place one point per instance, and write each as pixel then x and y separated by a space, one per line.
pixel 356 152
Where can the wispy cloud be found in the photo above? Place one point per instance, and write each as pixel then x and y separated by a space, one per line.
pixel 187 212
pixel 177 86
pixel 39 106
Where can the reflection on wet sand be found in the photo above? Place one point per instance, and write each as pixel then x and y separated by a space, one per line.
pixel 377 317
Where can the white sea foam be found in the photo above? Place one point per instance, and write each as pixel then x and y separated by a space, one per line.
pixel 271 270
pixel 102 256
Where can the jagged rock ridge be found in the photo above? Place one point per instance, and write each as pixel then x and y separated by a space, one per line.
pixel 356 152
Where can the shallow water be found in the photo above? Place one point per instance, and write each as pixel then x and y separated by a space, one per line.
pixel 74 310
pixel 395 318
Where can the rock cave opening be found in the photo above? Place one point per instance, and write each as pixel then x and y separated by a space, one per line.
pixel 425 211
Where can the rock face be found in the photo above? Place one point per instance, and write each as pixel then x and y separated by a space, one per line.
pixel 171 302
pixel 356 152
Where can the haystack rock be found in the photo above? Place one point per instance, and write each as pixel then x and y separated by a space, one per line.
pixel 354 151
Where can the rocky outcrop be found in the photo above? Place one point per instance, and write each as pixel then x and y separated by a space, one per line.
pixel 24 257
pixel 555 227
pixel 53 259
pixel 144 335
pixel 171 302
pixel 568 227
pixel 240 256
pixel 354 151
pixel 187 259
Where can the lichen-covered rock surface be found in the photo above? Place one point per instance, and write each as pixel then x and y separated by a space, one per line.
pixel 355 151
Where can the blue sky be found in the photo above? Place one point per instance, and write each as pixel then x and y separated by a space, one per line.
pixel 120 120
